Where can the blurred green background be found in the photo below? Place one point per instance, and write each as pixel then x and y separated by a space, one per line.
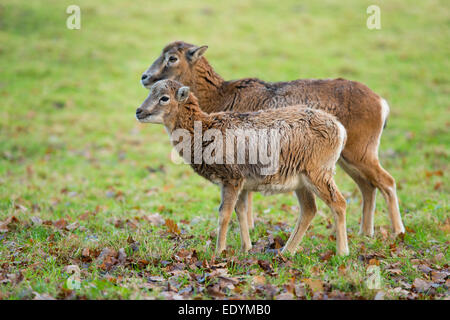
pixel 69 139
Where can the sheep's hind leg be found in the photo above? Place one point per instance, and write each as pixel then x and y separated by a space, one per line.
pixel 307 212
pixel 368 191
pixel 249 212
pixel 380 178
pixel 327 190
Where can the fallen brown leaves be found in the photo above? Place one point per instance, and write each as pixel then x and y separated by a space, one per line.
pixel 109 258
pixel 185 273
pixel 438 173
pixel 12 278
pixel 445 226
pixel 8 224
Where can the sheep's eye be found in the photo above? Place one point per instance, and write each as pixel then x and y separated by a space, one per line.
pixel 164 99
pixel 173 59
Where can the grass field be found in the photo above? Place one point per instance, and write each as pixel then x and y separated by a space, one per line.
pixel 83 183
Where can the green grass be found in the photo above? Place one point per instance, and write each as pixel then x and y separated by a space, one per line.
pixel 69 143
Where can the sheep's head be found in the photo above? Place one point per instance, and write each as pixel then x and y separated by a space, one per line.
pixel 175 63
pixel 162 103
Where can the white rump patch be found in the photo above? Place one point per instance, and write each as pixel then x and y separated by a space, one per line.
pixel 384 114
pixel 384 110
pixel 342 136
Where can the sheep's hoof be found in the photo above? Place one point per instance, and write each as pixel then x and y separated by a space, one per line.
pixel 366 233
pixel 400 232
pixel 343 253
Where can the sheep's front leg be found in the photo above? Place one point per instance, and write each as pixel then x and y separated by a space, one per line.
pixel 229 198
pixel 241 212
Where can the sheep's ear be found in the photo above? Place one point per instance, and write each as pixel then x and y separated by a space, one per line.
pixel 183 94
pixel 195 53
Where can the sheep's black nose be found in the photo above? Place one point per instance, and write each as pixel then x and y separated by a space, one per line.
pixel 144 76
pixel 138 111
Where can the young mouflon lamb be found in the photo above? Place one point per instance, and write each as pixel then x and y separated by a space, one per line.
pixel 306 145
pixel 361 111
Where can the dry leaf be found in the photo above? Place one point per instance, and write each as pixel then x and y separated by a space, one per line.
pixel 60 224
pixel 72 226
pixel 278 242
pixel 342 270
pixel 437 173
pixel 8 221
pixel 155 219
pixel 326 256
pixel 86 255
pixel 121 255
pixel 374 262
pixel 285 296
pixel 446 226
pixel 259 280
pixel 439 257
pixel 155 279
pixel 424 268
pixel 421 285
pixel 36 221
pixel 439 276
pixel 314 284
pixel 214 291
pixel 394 271
pixel 437 186
pixel 172 226
pixel 43 296
pixel 379 295
pixel 300 290
pixel 265 265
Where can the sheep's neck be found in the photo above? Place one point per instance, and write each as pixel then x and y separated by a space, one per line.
pixel 187 115
pixel 208 86
pixel 188 118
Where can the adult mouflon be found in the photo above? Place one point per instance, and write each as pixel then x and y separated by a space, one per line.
pixel 308 146
pixel 362 112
